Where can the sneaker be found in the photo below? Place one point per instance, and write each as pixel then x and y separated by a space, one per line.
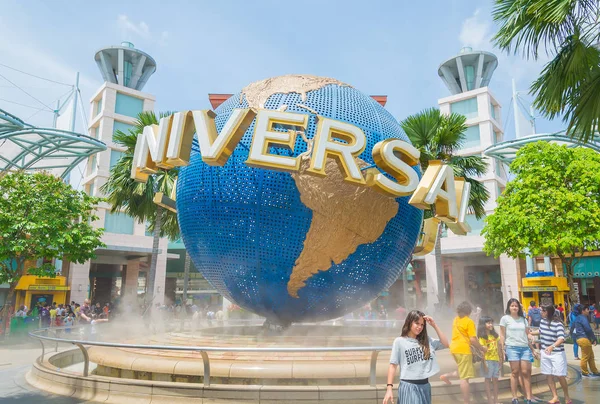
pixel 577 359
pixel 514 401
pixel 594 374
pixel 527 401
pixel 586 375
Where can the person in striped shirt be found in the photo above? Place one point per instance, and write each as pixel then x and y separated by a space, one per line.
pixel 553 359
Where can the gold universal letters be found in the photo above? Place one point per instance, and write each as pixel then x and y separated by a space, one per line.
pixel 396 158
pixel 264 137
pixel 169 143
pixel 326 146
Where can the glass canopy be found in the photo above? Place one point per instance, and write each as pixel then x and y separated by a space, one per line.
pixel 26 147
pixel 506 152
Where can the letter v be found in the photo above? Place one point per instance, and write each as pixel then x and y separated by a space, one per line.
pixel 215 147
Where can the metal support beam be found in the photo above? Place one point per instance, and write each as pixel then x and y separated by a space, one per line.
pixel 121 64
pixel 461 74
pixel 479 77
pixel 373 369
pixel 137 74
pixel 86 359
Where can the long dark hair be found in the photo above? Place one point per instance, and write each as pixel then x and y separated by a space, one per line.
pixel 482 330
pixel 551 314
pixel 422 338
pixel 511 301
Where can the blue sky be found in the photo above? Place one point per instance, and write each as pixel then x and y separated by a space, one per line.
pixel 388 48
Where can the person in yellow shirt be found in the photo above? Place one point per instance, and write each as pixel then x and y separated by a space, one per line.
pixel 463 337
pixel 490 366
pixel 53 316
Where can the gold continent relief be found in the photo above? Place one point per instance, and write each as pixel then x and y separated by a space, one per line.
pixel 344 217
pixel 339 224
pixel 258 93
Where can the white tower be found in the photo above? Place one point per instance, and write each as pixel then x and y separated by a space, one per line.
pixel 115 106
pixel 467 267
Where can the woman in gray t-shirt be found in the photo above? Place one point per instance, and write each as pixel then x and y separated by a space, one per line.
pixel 514 335
pixel 414 352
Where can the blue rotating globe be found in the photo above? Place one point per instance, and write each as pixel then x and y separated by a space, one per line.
pixel 294 247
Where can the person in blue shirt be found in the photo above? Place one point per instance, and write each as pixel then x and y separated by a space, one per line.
pixel 582 332
pixel 572 316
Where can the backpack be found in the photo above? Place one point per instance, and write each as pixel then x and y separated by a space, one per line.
pixel 536 316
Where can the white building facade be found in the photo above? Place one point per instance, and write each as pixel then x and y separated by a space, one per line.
pixel 469 274
pixel 119 269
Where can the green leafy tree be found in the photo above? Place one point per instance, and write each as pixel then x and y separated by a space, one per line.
pixel 551 207
pixel 136 198
pixel 440 137
pixel 569 30
pixel 41 217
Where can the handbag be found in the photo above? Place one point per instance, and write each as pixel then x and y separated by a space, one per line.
pixel 476 354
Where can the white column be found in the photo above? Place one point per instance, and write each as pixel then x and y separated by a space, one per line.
pixel 161 272
pixel 530 264
pixel 432 284
pixel 226 305
pixel 79 281
pixel 458 282
pixel 510 278
pixel 130 288
pixel 547 264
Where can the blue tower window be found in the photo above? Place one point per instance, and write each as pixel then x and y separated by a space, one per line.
pixel 128 105
pixel 470 77
pixel 468 108
pixel 119 223
pixel 123 127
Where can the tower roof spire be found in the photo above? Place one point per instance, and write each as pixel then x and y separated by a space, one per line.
pixel 125 65
pixel 468 70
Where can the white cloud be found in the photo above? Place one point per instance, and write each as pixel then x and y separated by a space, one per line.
pixel 129 28
pixel 164 36
pixel 132 31
pixel 475 32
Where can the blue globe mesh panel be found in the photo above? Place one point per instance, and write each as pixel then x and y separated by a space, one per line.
pixel 244 228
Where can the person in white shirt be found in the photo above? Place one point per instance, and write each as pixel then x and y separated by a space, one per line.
pixel 414 352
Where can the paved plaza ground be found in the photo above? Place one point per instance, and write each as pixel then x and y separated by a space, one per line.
pixel 15 361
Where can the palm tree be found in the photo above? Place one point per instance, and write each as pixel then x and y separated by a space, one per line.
pixel 569 30
pixel 137 199
pixel 440 137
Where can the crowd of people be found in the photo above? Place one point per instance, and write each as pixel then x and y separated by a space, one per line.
pixel 67 315
pixel 520 339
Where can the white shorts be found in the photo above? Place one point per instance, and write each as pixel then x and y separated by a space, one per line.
pixel 554 364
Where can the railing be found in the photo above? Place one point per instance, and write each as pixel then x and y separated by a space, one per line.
pixel 81 344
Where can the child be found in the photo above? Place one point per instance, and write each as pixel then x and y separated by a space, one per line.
pixel 414 351
pixel 463 337
pixel 68 323
pixel 490 367
pixel 53 316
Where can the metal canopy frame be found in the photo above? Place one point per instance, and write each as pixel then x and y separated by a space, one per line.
pixel 506 152
pixel 26 147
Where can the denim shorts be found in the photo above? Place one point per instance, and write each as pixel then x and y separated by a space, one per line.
pixel 492 371
pixel 518 353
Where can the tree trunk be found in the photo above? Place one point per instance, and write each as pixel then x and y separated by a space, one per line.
pixel 186 277
pixel 150 281
pixel 572 297
pixel 5 312
pixel 440 269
